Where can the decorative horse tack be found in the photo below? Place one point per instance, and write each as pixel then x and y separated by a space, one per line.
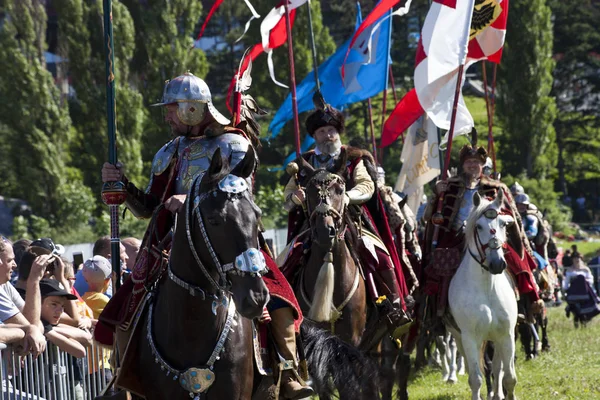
pixel 194 380
pixel 494 243
pixel 198 380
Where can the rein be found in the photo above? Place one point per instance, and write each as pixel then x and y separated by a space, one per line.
pixel 494 243
pixel 251 262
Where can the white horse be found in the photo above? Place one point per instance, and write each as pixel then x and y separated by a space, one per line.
pixel 482 300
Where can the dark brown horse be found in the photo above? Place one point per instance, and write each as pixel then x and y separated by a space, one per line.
pixel 196 333
pixel 331 289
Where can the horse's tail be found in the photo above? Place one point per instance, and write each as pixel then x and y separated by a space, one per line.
pixel 336 365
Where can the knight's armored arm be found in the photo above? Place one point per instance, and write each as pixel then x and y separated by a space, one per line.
pixel 140 203
pixel 364 187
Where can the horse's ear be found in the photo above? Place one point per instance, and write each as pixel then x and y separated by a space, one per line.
pixel 305 165
pixel 246 166
pixel 216 163
pixel 402 202
pixel 500 198
pixel 476 199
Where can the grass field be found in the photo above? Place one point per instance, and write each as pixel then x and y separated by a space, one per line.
pixel 571 370
pixel 588 249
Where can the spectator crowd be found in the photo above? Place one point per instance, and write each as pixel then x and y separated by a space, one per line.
pixel 44 298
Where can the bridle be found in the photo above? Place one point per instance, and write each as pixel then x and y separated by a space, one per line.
pixel 494 243
pixel 323 180
pixel 250 262
pixel 197 380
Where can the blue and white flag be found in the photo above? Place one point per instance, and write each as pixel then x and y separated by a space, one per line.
pixel 366 74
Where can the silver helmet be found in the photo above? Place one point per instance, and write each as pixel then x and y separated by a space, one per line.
pixel 517 189
pixel 522 198
pixel 193 98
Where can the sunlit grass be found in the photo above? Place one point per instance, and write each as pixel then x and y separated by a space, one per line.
pixel 571 370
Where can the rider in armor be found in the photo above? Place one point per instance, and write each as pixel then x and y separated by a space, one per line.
pixel 326 125
pixel 199 129
pixel 457 205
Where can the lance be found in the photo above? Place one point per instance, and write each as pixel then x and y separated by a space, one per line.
pixel 438 218
pixel 318 99
pixel 288 29
pixel 113 193
pixel 489 105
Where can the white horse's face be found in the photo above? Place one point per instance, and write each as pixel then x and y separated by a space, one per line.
pixel 490 235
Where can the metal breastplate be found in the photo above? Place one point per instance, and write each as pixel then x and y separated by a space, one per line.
pixel 194 156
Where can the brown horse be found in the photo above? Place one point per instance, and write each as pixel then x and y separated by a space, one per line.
pixel 331 287
pixel 196 334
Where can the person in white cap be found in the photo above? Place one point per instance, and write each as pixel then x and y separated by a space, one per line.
pixel 97 272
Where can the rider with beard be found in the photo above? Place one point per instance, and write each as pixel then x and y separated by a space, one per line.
pixel 198 130
pixel 457 206
pixel 360 176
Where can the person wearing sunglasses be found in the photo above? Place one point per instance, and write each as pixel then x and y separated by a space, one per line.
pixel 457 205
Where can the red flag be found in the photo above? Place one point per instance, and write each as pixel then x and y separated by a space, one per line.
pixel 380 9
pixel 407 111
pixel 213 9
pixel 277 37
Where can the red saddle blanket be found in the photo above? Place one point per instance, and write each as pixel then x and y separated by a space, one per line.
pixel 122 307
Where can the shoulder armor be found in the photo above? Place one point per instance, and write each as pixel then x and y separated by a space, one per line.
pixel 163 158
pixel 232 145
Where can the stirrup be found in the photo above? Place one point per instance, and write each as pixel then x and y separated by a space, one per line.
pixel 288 365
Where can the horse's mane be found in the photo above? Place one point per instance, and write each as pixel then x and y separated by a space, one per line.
pixel 475 214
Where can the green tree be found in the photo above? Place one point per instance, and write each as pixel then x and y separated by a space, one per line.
pixel 35 125
pixel 577 90
pixel 163 50
pixel 82 45
pixel 525 107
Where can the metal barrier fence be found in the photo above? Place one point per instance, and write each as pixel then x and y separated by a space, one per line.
pixel 54 375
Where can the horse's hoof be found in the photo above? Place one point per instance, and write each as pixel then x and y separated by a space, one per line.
pixel 529 357
pixel 452 380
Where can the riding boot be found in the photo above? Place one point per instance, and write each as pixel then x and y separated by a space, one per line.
pixel 282 324
pixel 398 322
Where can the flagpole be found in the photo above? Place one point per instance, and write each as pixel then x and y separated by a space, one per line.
pixel 393 85
pixel 288 29
pixel 490 116
pixel 313 47
pixel 492 110
pixel 438 218
pixel 372 128
pixel 113 193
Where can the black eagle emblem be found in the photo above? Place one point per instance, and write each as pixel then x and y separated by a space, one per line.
pixel 485 13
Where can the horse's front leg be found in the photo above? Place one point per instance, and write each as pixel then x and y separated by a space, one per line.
pixel 472 348
pixel 441 347
pixel 505 353
pixel 452 354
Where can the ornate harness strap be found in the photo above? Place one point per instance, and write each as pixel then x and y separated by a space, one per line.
pixel 195 380
pixel 251 262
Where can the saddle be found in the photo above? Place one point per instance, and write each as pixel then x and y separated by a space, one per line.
pixel 149 269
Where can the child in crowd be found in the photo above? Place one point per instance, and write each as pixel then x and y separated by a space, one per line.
pixel 97 272
pixel 67 338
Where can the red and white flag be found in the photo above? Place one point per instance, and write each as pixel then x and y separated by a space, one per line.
pixel 273 30
pixel 452 35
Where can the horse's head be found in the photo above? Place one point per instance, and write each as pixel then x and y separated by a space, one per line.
pixel 486 233
pixel 225 232
pixel 325 193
